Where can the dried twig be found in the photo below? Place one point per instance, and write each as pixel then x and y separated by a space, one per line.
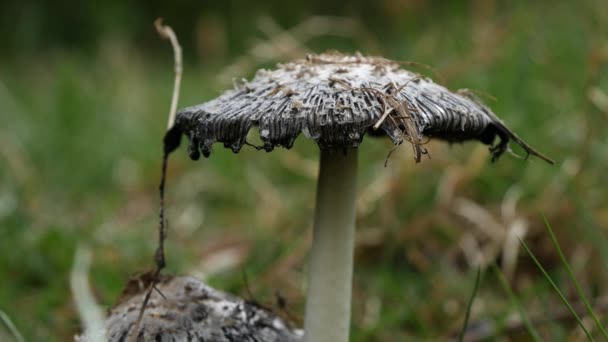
pixel 159 256
pixel 90 313
pixel 167 33
pixel 388 110
pixel 398 112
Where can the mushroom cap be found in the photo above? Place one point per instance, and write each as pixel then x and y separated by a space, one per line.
pixel 191 311
pixel 335 99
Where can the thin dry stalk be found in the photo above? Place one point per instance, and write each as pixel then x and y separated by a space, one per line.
pixel 159 256
pixel 90 313
pixel 167 32
pixel 388 110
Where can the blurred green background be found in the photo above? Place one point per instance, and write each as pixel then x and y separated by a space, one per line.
pixel 84 95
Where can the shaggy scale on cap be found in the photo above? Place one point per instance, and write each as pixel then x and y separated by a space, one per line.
pixel 335 99
pixel 192 311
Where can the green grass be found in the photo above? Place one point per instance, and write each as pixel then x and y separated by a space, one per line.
pixel 579 290
pixel 559 292
pixel 80 149
pixel 467 314
pixel 516 303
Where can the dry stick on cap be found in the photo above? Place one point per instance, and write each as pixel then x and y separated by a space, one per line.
pixel 159 257
pixel 335 99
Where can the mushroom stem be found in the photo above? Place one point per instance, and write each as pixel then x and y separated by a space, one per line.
pixel 328 304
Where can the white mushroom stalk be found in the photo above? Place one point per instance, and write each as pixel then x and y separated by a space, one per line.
pixel 328 302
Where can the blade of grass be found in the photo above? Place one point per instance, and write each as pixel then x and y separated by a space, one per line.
pixel 11 327
pixel 470 305
pixel 579 290
pixel 505 284
pixel 559 293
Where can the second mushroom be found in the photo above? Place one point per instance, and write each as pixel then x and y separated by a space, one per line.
pixel 335 99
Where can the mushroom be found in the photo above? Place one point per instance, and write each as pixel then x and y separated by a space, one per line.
pixel 189 310
pixel 335 99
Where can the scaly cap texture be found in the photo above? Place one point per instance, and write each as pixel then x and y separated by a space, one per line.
pixel 335 99
pixel 191 311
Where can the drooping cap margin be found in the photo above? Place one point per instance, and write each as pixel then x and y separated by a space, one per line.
pixel 335 99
